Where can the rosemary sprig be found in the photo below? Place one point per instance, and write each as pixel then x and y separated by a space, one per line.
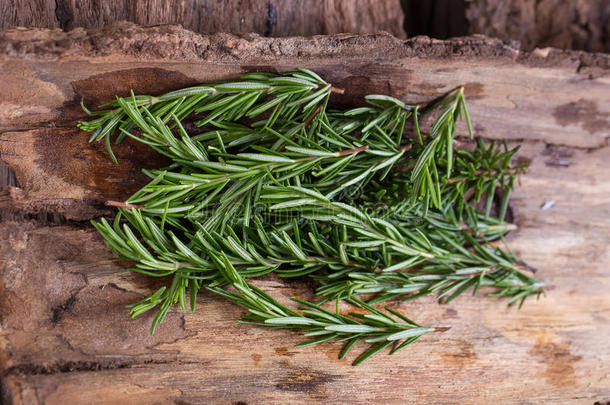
pixel 277 182
pixel 322 325
pixel 295 95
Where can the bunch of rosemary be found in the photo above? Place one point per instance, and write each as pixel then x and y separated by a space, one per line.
pixel 269 179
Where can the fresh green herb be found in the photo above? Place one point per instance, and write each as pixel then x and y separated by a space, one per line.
pixel 267 179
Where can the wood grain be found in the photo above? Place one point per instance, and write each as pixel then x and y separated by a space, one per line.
pixel 277 18
pixel 579 24
pixel 65 336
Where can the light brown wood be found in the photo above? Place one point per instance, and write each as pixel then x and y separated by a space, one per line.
pixel 65 336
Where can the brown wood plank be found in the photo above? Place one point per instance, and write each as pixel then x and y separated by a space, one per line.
pixel 65 336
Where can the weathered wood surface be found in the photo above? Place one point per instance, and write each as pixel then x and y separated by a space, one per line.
pixel 65 337
pixel 576 24
pixel 276 18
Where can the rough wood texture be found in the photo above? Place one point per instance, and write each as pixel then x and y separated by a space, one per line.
pixel 277 18
pixel 580 24
pixel 65 337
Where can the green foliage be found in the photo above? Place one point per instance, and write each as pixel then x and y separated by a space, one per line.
pixel 267 179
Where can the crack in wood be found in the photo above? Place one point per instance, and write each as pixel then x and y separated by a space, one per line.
pixel 31 369
pixel 15 206
pixel 63 13
pixel 7 175
pixel 64 367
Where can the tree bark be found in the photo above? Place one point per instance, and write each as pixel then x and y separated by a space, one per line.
pixel 277 18
pixel 581 24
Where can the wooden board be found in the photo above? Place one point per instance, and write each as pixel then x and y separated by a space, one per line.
pixel 65 337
